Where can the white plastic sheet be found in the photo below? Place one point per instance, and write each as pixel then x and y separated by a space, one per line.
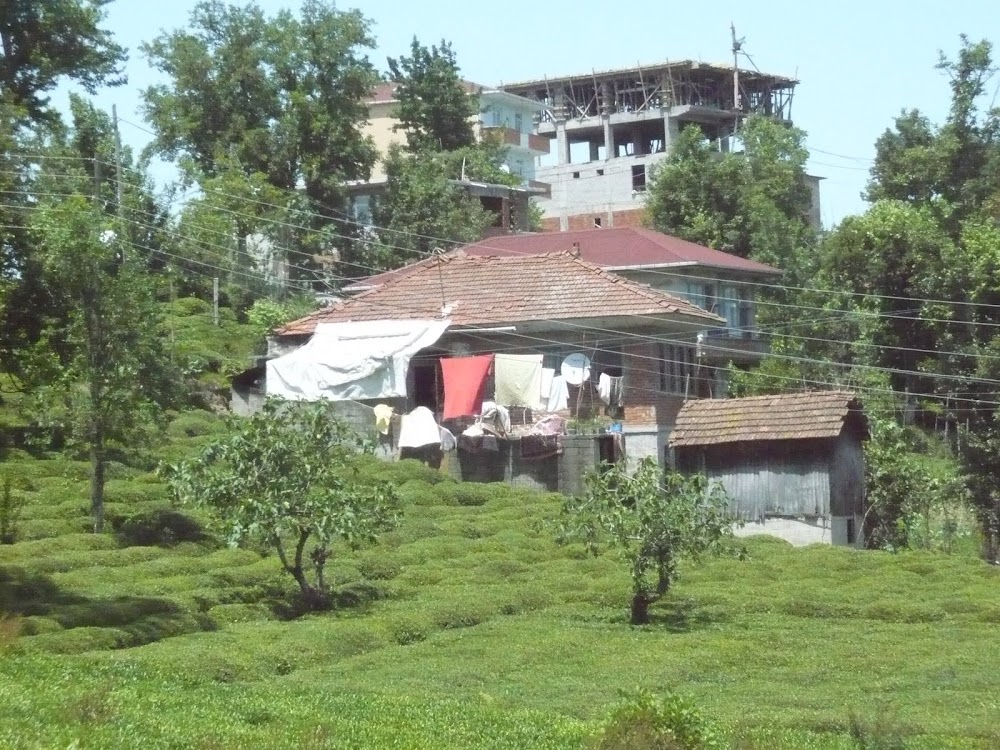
pixel 352 361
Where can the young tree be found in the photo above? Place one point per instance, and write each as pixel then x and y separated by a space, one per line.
pixel 284 477
pixel 435 106
pixel 102 377
pixel 654 521
pixel 43 42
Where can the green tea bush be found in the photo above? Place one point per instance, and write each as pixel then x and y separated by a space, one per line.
pixel 159 527
pixel 408 629
pixel 35 624
pixel 194 424
pixel 224 614
pixel 648 722
pixel 420 492
pixel 378 567
pixel 461 613
pixel 78 640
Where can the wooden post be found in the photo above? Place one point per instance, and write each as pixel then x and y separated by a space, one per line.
pixel 215 300
pixel 118 177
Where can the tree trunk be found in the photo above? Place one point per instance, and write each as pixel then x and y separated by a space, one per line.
pixel 640 609
pixel 97 478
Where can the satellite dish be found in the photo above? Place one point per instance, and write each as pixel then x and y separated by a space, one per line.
pixel 576 368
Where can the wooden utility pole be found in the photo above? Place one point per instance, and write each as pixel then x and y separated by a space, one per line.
pixel 118 178
pixel 215 300
pixel 737 46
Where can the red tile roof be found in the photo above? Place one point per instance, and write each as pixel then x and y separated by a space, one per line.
pixel 787 416
pixel 490 290
pixel 615 248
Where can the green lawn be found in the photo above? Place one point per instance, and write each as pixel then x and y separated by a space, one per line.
pixel 468 628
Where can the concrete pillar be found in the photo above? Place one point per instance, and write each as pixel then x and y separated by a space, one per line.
pixel 671 130
pixel 638 143
pixel 562 142
pixel 595 150
pixel 609 139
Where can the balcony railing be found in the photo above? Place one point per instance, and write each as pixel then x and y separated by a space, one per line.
pixel 735 344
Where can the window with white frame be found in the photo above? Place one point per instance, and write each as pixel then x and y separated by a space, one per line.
pixel 677 368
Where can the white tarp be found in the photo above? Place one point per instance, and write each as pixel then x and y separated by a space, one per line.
pixel 352 361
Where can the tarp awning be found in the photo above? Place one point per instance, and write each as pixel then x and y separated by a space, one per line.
pixel 352 361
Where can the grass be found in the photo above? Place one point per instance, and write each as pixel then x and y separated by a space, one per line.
pixel 469 627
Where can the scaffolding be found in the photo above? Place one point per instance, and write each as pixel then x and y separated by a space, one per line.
pixel 656 87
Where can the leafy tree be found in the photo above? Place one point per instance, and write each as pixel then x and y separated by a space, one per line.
pixel 285 477
pixel 283 97
pixel 435 106
pixel 956 166
pixel 753 203
pixel 65 166
pixel 422 209
pixel 654 521
pixel 102 378
pixel 43 42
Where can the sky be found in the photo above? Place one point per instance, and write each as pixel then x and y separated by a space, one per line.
pixel 859 63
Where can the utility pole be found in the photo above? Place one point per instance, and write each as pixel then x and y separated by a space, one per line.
pixel 118 177
pixel 215 300
pixel 737 46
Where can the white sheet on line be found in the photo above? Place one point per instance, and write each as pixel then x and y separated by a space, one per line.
pixel 352 361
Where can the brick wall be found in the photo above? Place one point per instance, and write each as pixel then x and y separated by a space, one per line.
pixel 632 217
pixel 645 404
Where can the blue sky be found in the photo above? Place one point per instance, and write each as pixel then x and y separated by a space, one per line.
pixel 859 63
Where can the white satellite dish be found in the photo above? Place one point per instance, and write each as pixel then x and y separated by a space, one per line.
pixel 576 368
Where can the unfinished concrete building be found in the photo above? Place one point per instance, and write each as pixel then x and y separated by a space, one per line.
pixel 609 128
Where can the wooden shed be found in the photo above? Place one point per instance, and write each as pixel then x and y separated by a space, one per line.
pixel 792 464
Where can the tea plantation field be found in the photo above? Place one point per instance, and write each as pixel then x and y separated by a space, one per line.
pixel 468 627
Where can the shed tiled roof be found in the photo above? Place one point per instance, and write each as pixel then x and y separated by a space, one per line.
pixel 615 248
pixel 490 290
pixel 788 416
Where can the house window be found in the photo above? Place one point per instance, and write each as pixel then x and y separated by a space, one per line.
pixel 597 222
pixel 729 303
pixel 576 175
pixel 852 535
pixel 702 294
pixel 746 313
pixel 676 369
pixel 638 178
pixel 600 173
pixel 518 123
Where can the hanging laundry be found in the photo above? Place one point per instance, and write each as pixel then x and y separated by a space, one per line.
pixel 447 440
pixel 518 379
pixel 543 397
pixel 604 388
pixel 383 418
pixel 418 428
pixel 558 395
pixel 464 384
pixel 495 416
pixel 617 391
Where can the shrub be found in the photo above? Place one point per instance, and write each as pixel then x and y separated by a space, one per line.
pixel 225 614
pixel 161 527
pixel 79 640
pixel 645 722
pixel 419 492
pixel 193 424
pixel 11 505
pixel 410 629
pixel 377 567
pixel 461 614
